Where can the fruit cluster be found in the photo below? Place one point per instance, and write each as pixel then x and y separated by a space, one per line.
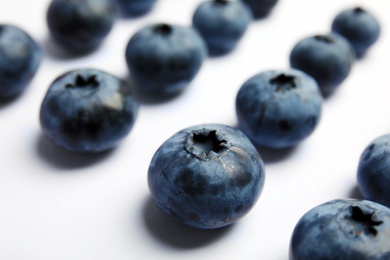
pixel 209 176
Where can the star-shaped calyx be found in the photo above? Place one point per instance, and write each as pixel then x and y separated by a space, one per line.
pixel 361 222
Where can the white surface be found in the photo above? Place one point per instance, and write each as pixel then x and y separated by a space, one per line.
pixel 55 205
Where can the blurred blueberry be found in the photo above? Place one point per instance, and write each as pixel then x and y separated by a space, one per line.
pixel 342 230
pixel 261 8
pixel 279 108
pixel 327 58
pixel 79 26
pixel 88 111
pixel 164 58
pixel 20 58
pixel 206 176
pixel 134 8
pixel 359 27
pixel 373 173
pixel 221 23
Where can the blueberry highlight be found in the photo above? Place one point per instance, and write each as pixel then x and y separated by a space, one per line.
pixel 88 111
pixel 206 176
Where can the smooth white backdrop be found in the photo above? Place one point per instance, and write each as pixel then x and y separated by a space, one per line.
pixel 57 205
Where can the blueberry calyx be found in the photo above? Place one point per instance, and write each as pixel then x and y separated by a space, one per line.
pixel 283 82
pixel 163 29
pixel 81 82
pixel 220 2
pixel 324 38
pixel 362 222
pixel 206 144
pixel 359 10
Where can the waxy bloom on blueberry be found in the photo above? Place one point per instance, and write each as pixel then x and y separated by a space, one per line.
pixel 20 58
pixel 88 111
pixel 206 176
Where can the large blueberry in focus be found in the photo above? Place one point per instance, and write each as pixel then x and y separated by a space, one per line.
pixel 261 8
pixel 133 8
pixel 359 27
pixel 20 57
pixel 80 26
pixel 221 23
pixel 278 108
pixel 327 58
pixel 164 58
pixel 206 176
pixel 88 111
pixel 343 230
pixel 373 173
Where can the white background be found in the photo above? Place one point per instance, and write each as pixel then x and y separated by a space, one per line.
pixel 58 205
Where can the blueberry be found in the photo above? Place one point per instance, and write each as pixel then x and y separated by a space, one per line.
pixel 279 108
pixel 88 111
pixel 164 58
pixel 342 229
pixel 327 58
pixel 359 27
pixel 221 23
pixel 206 176
pixel 20 58
pixel 261 8
pixel 373 172
pixel 80 26
pixel 134 8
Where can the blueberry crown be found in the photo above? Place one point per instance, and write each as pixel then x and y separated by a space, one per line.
pixel 81 82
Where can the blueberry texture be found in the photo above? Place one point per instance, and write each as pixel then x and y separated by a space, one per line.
pixel 261 8
pixel 343 230
pixel 164 58
pixel 206 176
pixel 279 108
pixel 359 27
pixel 88 111
pixel 80 26
pixel 20 58
pixel 373 172
pixel 221 23
pixel 134 8
pixel 327 58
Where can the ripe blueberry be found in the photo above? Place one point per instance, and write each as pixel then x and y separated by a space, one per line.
pixel 278 109
pixel 133 8
pixel 261 8
pixel 327 58
pixel 206 176
pixel 88 111
pixel 342 229
pixel 221 23
pixel 20 57
pixel 373 172
pixel 80 26
pixel 164 58
pixel 359 27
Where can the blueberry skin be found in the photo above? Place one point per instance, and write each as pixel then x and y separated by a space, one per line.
pixel 327 58
pixel 20 57
pixel 206 176
pixel 221 23
pixel 134 8
pixel 80 26
pixel 343 229
pixel 88 111
pixel 359 27
pixel 279 108
pixel 373 174
pixel 163 58
pixel 261 8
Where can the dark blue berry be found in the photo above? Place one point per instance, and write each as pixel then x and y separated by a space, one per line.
pixel 261 8
pixel 20 58
pixel 88 111
pixel 134 8
pixel 221 23
pixel 279 108
pixel 206 176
